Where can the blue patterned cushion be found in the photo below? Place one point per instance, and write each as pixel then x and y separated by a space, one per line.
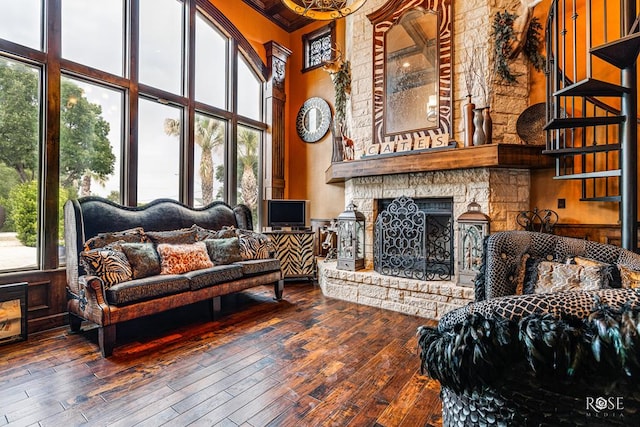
pixel 223 251
pixel 143 258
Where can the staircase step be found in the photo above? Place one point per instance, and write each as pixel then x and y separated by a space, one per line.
pixel 592 87
pixel 601 199
pixel 583 150
pixel 622 52
pixel 586 175
pixel 579 122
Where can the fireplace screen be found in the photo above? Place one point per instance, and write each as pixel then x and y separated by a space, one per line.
pixel 414 239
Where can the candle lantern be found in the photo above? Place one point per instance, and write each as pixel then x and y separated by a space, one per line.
pixel 473 227
pixel 350 239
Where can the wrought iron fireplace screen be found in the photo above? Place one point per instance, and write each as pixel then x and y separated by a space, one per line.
pixel 414 239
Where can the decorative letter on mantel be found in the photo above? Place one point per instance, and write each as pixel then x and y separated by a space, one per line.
pixel 412 72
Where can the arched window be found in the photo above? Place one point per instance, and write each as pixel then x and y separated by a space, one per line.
pixel 131 100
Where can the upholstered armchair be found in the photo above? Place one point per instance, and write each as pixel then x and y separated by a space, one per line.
pixel 560 358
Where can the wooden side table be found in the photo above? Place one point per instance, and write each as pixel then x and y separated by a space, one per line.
pixel 295 251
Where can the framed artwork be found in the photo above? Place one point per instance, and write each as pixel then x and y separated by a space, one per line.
pixel 13 312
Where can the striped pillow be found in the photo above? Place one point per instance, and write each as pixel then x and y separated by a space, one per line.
pixel 110 265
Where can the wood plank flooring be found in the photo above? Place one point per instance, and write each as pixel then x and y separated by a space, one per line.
pixel 306 361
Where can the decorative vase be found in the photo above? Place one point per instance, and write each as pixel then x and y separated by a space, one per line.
pixel 479 137
pixel 336 136
pixel 467 116
pixel 487 125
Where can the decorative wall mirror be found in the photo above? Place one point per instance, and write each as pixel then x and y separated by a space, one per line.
pixel 412 72
pixel 313 120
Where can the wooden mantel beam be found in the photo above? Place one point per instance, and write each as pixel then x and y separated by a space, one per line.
pixel 516 156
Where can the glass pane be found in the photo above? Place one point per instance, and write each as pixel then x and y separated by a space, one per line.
pixel 20 126
pixel 249 142
pixel 249 91
pixel 20 22
pixel 161 23
pixel 209 158
pixel 159 140
pixel 93 33
pixel 90 140
pixel 211 64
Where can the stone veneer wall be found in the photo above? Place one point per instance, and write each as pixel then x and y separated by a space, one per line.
pixel 502 193
pixel 472 21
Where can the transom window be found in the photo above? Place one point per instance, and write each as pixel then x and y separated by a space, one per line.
pixel 147 99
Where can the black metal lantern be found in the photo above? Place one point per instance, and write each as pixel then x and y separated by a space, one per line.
pixel 350 239
pixel 473 227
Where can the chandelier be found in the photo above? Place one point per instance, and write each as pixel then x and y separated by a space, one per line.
pixel 323 10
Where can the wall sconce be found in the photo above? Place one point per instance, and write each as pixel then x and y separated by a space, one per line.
pixel 473 227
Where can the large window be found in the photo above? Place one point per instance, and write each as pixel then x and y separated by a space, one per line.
pixel 149 99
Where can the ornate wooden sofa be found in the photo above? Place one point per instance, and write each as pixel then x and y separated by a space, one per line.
pixel 562 358
pixel 90 299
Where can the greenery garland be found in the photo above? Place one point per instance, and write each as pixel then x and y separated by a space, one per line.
pixel 504 37
pixel 342 87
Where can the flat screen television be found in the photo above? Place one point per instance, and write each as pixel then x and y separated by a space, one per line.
pixel 288 213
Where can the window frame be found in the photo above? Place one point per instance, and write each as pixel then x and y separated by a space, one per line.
pixel 309 38
pixel 53 67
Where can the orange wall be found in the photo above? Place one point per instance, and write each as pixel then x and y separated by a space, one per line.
pixel 308 162
pixel 305 164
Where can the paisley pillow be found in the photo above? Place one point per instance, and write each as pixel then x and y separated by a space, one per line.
pixel 108 264
pixel 177 259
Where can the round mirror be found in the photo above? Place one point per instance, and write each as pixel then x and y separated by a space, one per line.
pixel 314 119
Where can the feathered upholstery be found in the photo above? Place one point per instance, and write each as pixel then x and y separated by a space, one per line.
pixel 538 359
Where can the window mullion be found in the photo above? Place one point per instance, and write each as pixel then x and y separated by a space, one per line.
pixel 232 142
pixel 50 165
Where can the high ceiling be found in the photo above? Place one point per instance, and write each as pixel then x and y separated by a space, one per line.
pixel 278 13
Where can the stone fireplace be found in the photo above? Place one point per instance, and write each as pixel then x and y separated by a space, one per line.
pixel 496 176
pixel 501 192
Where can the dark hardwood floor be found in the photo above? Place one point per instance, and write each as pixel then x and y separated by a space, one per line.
pixel 306 361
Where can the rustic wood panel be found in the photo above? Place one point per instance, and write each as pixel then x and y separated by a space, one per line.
pixel 602 233
pixel 308 360
pixel 483 156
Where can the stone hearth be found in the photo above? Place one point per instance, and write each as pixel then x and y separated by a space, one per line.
pixel 429 299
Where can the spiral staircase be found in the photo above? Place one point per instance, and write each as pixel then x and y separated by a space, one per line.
pixel 592 48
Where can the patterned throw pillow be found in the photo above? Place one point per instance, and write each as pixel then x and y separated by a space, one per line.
pixel 610 273
pixel 108 264
pixel 132 235
pixel 630 278
pixel 225 233
pixel 177 259
pixel 182 236
pixel 255 245
pixel 224 251
pixel 558 277
pixel 143 258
